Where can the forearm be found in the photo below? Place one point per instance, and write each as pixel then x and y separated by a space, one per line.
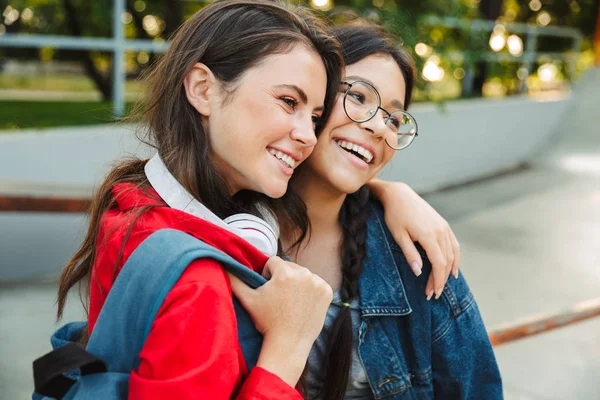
pixel 380 188
pixel 284 359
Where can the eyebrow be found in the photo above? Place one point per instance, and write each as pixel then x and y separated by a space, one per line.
pixel 396 103
pixel 301 93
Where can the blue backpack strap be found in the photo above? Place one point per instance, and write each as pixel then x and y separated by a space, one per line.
pixel 127 317
pixel 141 288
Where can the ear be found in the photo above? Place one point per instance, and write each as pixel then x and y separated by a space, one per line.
pixel 200 88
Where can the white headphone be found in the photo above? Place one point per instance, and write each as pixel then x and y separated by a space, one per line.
pixel 260 233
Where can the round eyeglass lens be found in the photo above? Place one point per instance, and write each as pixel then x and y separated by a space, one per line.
pixel 361 101
pixel 405 127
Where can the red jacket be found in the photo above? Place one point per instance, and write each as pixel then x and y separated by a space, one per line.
pixel 192 351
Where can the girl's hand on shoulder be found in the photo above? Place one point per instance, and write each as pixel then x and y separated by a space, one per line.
pixel 411 219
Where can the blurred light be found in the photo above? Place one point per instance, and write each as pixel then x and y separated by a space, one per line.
pixel 535 5
pixel 586 163
pixel 422 49
pixel 432 71
pixel 543 18
pixel 522 73
pixel 459 73
pixel 126 17
pixel 494 88
pixel 499 29
pixel 378 3
pixel 150 25
pixel 515 45
pixel 510 14
pixel 2 29
pixel 139 5
pixel 532 83
pixel 436 35
pixel 547 72
pixel 320 3
pixel 27 14
pixel 7 10
pixel 143 57
pixel 575 7
pixel 11 17
pixel 497 42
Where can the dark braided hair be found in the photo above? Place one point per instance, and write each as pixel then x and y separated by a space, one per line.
pixel 358 40
pixel 337 359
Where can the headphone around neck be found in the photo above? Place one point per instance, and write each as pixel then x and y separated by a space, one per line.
pixel 261 234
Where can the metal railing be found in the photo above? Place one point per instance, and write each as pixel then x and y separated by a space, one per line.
pixel 540 323
pixel 117 44
pixel 530 53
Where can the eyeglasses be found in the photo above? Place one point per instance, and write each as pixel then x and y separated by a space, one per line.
pixel 362 102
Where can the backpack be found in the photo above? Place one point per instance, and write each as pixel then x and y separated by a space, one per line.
pixel 101 371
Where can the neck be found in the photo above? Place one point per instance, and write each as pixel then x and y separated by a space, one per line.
pixel 323 205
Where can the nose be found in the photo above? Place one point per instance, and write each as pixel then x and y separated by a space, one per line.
pixel 376 125
pixel 304 133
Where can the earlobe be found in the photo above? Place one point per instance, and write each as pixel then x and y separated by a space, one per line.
pixel 199 86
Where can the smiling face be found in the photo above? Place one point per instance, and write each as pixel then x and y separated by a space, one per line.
pixel 349 154
pixel 266 127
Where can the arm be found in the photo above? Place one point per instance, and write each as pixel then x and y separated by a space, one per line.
pixel 193 352
pixel 464 365
pixel 412 219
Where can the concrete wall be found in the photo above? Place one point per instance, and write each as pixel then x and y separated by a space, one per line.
pixel 470 139
pixel 462 141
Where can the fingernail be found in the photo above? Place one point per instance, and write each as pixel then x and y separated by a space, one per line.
pixel 438 294
pixel 416 268
pixel 430 295
pixel 455 275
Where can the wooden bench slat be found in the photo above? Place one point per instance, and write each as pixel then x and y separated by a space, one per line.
pixel 44 197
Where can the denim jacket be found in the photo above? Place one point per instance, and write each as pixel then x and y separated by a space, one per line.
pixel 412 348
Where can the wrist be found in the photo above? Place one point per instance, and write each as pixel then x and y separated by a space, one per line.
pixel 284 358
pixel 390 191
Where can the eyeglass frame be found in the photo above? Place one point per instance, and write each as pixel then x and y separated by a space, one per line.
pixel 374 113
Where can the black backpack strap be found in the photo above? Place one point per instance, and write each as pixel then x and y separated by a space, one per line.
pixel 49 370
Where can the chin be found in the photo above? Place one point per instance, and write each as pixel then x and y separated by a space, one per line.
pixel 347 183
pixel 274 190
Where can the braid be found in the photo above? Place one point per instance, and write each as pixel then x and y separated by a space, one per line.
pixel 353 219
pixel 338 354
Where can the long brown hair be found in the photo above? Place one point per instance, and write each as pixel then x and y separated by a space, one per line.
pixel 230 37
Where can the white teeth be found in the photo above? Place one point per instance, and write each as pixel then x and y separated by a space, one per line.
pixel 356 148
pixel 289 161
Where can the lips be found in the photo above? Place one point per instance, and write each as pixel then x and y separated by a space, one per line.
pixel 284 158
pixel 356 149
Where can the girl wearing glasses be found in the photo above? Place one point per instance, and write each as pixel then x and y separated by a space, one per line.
pixel 382 338
pixel 232 112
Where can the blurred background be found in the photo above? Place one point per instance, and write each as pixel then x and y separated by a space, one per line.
pixel 507 100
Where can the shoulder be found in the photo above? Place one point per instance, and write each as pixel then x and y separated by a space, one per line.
pixel 122 232
pixel 456 298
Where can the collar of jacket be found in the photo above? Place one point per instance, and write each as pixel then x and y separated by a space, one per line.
pixel 380 285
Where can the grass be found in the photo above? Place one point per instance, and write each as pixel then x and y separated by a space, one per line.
pixel 16 115
pixel 56 82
